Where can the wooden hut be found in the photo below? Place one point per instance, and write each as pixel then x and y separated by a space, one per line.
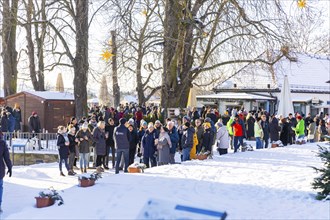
pixel 53 108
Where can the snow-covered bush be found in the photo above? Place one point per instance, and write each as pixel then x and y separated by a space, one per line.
pixel 141 166
pixel 90 176
pixel 52 194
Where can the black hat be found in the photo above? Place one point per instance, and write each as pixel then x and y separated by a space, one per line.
pixel 122 121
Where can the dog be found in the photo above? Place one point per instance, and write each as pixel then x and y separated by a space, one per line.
pixel 32 144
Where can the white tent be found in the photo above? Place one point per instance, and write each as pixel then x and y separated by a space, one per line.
pixel 285 106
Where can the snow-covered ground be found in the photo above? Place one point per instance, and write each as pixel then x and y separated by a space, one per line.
pixel 263 184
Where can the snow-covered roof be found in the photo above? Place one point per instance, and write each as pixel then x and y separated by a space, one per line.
pixel 309 73
pixel 93 101
pixel 51 95
pixel 129 99
pixel 233 95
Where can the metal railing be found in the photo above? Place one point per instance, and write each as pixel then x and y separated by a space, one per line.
pixel 31 141
pixel 23 142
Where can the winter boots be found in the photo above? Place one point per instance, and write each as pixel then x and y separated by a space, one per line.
pixel 62 174
pixel 85 170
pixel 71 173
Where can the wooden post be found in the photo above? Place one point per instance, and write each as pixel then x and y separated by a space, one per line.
pixel 115 86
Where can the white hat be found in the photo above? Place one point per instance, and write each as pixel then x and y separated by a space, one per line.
pixel 85 125
pixel 131 121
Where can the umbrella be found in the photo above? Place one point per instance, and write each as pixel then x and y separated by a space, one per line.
pixel 192 100
pixel 285 106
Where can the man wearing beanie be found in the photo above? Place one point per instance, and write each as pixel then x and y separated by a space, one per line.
pixel 121 137
pixel 187 140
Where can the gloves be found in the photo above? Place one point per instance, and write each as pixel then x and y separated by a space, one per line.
pixel 9 172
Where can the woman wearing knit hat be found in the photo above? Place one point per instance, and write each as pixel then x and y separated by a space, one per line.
pixel 187 141
pixel 208 137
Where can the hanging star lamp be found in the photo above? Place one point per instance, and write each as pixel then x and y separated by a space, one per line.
pixel 144 12
pixel 301 3
pixel 205 34
pixel 106 55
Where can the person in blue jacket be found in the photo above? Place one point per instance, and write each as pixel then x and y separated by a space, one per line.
pixel 4 158
pixel 149 142
pixel 121 137
pixel 174 136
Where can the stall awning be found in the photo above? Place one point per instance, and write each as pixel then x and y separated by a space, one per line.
pixel 235 96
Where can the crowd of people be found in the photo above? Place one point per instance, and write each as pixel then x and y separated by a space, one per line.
pixel 131 130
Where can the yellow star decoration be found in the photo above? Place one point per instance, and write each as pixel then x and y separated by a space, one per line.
pixel 144 12
pixel 106 55
pixel 301 3
pixel 205 34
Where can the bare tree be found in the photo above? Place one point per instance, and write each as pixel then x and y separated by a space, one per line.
pixel 139 37
pixel 35 27
pixel 9 53
pixel 79 60
pixel 203 35
pixel 115 85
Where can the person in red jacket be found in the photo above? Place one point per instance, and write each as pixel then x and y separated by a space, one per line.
pixel 138 116
pixel 239 132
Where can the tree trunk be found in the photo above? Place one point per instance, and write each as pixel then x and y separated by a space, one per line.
pixel 139 85
pixel 9 53
pixel 30 45
pixel 37 77
pixel 177 79
pixel 115 86
pixel 40 48
pixel 80 62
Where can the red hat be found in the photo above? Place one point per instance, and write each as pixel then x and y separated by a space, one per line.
pixel 299 117
pixel 34 113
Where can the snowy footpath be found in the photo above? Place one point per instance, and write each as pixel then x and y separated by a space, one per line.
pixel 262 184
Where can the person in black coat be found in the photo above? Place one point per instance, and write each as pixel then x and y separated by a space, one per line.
pixel 63 148
pixel 4 159
pixel 274 129
pixel 133 141
pixel 293 123
pixel 34 123
pixel 285 132
pixel 195 114
pixel 4 122
pixel 250 126
pixel 187 141
pixel 99 138
pixel 72 148
pixel 149 142
pixel 17 113
pixel 208 137
pixel 109 128
pixel 265 129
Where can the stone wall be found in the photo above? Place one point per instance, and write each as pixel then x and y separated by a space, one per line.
pixel 33 158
